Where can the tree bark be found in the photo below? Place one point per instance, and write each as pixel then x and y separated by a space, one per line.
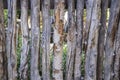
pixel 35 39
pixel 79 29
pixel 46 40
pixel 101 40
pixel 71 40
pixel 11 40
pixel 3 65
pixel 58 40
pixel 117 55
pixel 89 9
pixel 109 45
pixel 25 37
pixel 91 53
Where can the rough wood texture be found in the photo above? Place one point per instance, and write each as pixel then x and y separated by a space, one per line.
pixel 89 9
pixel 11 40
pixel 91 53
pixel 35 39
pixel 79 29
pixel 117 55
pixel 109 45
pixel 71 40
pixel 51 2
pixel 46 40
pixel 3 66
pixel 25 47
pixel 58 40
pixel 101 40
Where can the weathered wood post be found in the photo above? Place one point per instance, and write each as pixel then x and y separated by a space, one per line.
pixel 46 33
pixel 92 47
pixel 71 40
pixel 101 40
pixel 11 40
pixel 35 39
pixel 25 39
pixel 110 39
pixel 58 40
pixel 117 55
pixel 79 29
pixel 3 62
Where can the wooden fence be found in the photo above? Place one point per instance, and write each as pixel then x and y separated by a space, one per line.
pixel 91 50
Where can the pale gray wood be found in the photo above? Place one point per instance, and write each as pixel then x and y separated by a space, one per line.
pixel 101 40
pixel 89 9
pixel 71 40
pixel 46 40
pixel 35 39
pixel 79 29
pixel 92 47
pixel 11 41
pixel 117 55
pixel 25 39
pixel 110 39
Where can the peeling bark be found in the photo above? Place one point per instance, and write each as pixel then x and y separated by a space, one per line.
pixel 35 39
pixel 25 47
pixel 58 40
pixel 46 40
pixel 91 53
